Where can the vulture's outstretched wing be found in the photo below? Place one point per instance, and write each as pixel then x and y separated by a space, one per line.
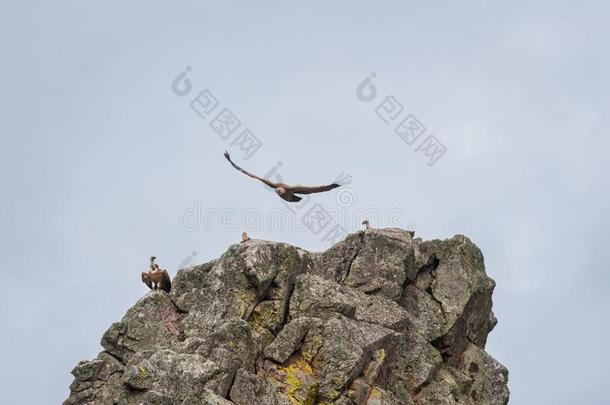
pixel 292 198
pixel 146 280
pixel 166 282
pixel 341 180
pixel 254 176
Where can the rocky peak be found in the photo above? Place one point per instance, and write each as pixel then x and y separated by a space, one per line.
pixel 379 318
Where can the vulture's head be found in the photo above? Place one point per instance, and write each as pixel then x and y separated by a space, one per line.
pixel 280 190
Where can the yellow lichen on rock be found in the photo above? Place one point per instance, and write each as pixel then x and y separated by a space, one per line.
pixel 299 379
pixel 245 301
pixel 375 393
pixel 143 372
pixel 266 314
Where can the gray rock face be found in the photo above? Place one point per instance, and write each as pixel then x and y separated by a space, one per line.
pixel 380 318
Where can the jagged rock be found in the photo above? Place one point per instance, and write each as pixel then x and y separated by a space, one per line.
pixel 489 378
pixel 377 319
pixel 290 338
pixel 251 389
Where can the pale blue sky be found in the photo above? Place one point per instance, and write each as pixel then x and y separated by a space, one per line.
pixel 100 159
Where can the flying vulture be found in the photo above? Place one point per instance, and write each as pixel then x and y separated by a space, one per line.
pixel 289 193
pixel 156 278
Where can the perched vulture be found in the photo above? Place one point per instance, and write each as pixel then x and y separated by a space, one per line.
pixel 156 278
pixel 289 193
pixel 244 237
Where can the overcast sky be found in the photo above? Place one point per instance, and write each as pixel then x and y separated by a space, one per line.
pixel 104 162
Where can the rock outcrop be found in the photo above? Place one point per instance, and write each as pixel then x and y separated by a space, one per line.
pixel 380 318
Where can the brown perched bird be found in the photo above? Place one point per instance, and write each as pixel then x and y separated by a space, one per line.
pixel 244 237
pixel 156 278
pixel 289 193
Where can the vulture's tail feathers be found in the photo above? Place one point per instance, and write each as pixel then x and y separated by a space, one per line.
pixel 166 282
